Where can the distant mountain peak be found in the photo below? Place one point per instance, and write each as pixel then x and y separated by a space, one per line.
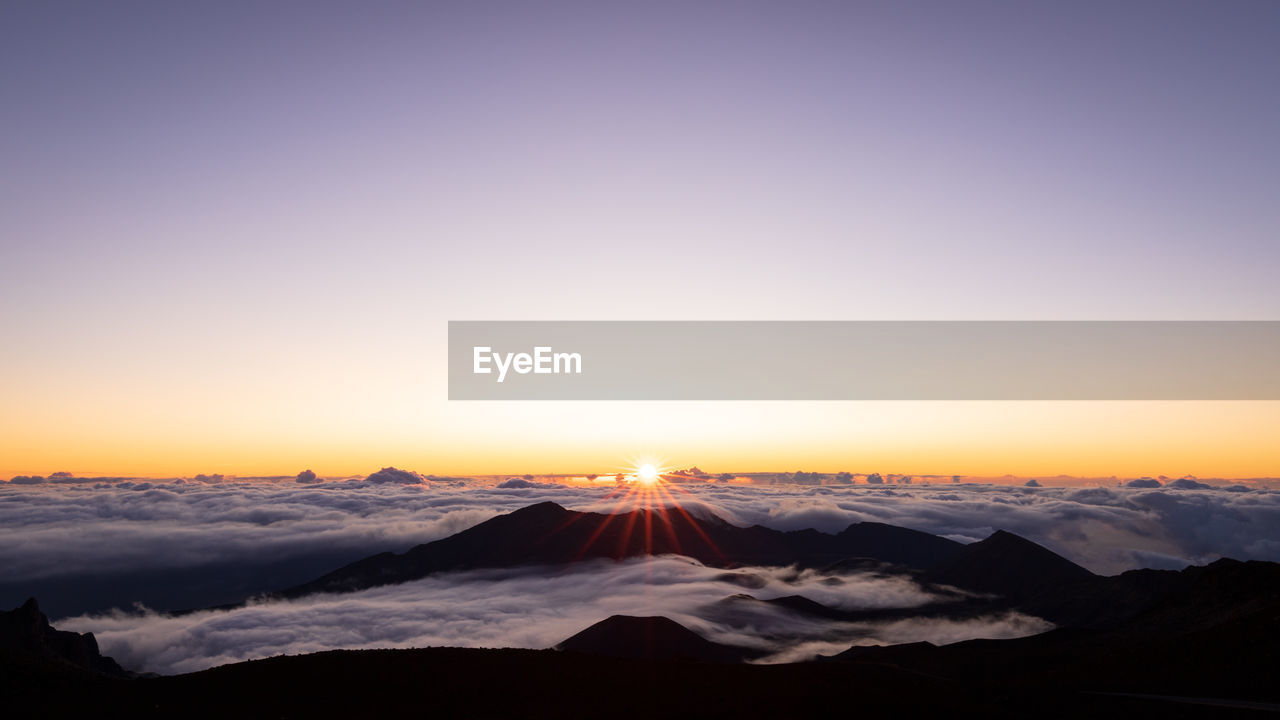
pixel 650 638
pixel 31 610
pixel 1008 565
pixel 542 507
pixel 1006 540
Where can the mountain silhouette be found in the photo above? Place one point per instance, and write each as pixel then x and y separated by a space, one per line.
pixel 1206 647
pixel 650 638
pixel 1009 566
pixel 1034 580
pixel 1225 593
pixel 1201 635
pixel 548 534
pixel 1210 631
pixel 26 636
pixel 1001 573
pixel 1008 573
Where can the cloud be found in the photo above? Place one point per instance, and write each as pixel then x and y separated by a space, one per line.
pixel 522 484
pixel 306 477
pixel 1032 483
pixel 939 631
pixel 396 475
pixel 1143 482
pixel 56 538
pixel 1108 530
pixel 68 530
pixel 82 536
pixel 26 480
pixel 1187 484
pixel 530 608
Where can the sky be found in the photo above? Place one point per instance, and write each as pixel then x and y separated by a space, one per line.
pixel 232 234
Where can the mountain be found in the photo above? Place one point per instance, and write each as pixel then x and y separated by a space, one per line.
pixel 1207 632
pixel 896 545
pixel 650 638
pixel 26 637
pixel 1204 640
pixel 1000 573
pixel 1008 573
pixel 1034 580
pixel 1209 646
pixel 1007 565
pixel 1224 594
pixel 548 534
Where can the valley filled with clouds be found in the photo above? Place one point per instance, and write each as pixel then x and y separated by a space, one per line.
pixel 537 607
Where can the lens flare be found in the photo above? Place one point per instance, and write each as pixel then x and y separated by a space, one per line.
pixel 650 505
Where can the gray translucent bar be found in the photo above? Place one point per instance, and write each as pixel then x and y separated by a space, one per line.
pixel 918 360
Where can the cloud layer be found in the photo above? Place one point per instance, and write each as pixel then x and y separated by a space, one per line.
pixel 535 608
pixel 66 529
pixel 67 532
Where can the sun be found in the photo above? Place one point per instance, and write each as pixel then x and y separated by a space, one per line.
pixel 646 473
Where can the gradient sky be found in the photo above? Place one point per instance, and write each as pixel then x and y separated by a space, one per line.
pixel 231 234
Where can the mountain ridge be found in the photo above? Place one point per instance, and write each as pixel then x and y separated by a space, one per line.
pixel 546 533
pixel 1003 572
pixel 26 636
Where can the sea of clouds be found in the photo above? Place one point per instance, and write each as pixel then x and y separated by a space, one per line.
pixel 60 534
pixel 538 608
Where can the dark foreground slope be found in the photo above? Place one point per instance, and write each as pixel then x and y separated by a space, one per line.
pixel 1215 635
pixel 547 534
pixel 450 682
pixel 1207 648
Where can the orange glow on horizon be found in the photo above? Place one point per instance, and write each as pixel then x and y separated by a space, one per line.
pixel 1096 439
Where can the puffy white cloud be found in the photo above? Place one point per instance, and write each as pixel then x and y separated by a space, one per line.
pixel 1187 484
pixel 522 484
pixel 396 475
